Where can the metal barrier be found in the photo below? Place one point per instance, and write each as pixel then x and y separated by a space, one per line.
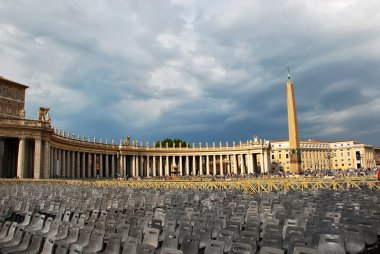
pixel 247 185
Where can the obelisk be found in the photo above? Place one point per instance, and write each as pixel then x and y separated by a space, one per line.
pixel 294 144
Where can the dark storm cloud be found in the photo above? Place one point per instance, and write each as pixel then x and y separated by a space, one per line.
pixel 203 71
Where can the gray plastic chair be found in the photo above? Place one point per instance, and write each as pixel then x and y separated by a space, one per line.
pixel 113 244
pixel 16 240
pixel 144 248
pixel 270 250
pixel 84 237
pixel 333 244
pixel 96 242
pixel 48 246
pixel 34 247
pixel 10 234
pixel 190 244
pixel 166 250
pixel 214 247
pixel 241 248
pixel 151 236
pixel 76 249
pixel 4 229
pixel 130 245
pixel 20 247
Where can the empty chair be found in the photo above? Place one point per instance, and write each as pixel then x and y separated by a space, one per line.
pixel 241 248
pixel 331 244
pixel 137 232
pixel 144 248
pixel 226 236
pixel 353 239
pixel 71 238
pixel 151 236
pixel 61 249
pixel 170 240
pixel 11 232
pixel 84 237
pixel 214 247
pixel 46 227
pixel 190 244
pixel 270 250
pixel 76 249
pixel 205 235
pixel 38 225
pixel 96 242
pixel 20 247
pixel 63 231
pixel 53 230
pixel 184 229
pixel 166 250
pixel 130 245
pixel 48 246
pixel 34 247
pixel 15 240
pixel 4 229
pixel 304 250
pixel 113 244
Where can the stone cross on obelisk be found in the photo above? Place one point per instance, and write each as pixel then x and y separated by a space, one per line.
pixel 294 144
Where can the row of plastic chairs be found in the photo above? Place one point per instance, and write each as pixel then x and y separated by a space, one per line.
pixel 280 221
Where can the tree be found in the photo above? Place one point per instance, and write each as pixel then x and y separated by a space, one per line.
pixel 171 142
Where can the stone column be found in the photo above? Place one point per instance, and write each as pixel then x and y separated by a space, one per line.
pixel 101 165
pixel 207 165
pixel 221 164
pixel 142 166
pixel 262 162
pixel 113 165
pixel 124 169
pixel 73 168
pixel 133 165
pixel 63 163
pixel 235 164
pixel 52 161
pixel 107 166
pixel 46 161
pixel 187 165
pixel 214 165
pixel 89 161
pixel 94 162
pixel 37 159
pixel 194 169
pixel 266 161
pixel 254 162
pixel 242 166
pixel 77 166
pixel 167 165
pixel 160 167
pixel 68 164
pixel 200 165
pixel 154 165
pixel 137 172
pixel 180 166
pixel 228 165
pixel 83 164
pixel 147 167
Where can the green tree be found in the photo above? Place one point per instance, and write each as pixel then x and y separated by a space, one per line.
pixel 171 142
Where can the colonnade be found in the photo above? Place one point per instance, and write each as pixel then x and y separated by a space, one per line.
pixel 78 164
pixel 47 160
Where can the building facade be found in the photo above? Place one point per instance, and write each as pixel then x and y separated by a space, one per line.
pixel 318 155
pixel 12 98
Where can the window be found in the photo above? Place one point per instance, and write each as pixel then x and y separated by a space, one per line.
pixel 9 93
pixel 272 156
pixel 279 156
pixel 287 156
pixel 19 96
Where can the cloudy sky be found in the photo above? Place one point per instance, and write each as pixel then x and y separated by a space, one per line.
pixel 201 71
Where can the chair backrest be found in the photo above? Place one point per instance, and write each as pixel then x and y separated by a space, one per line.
pixel 304 250
pixel 331 244
pixel 96 241
pixel 270 250
pixel 166 250
pixel 48 246
pixel 4 229
pixel 241 248
pixel 130 245
pixel 151 236
pixel 214 247
pixel 190 244
pixel 76 249
pixel 113 244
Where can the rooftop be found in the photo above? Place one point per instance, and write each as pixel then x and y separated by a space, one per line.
pixel 13 83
